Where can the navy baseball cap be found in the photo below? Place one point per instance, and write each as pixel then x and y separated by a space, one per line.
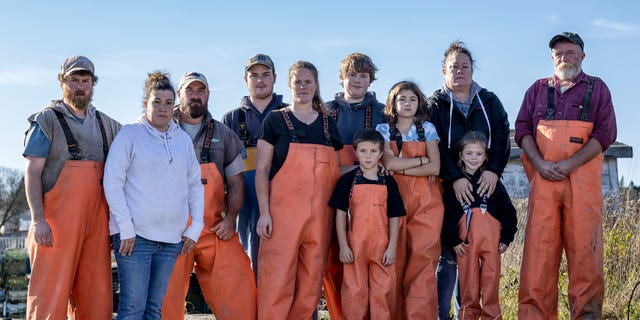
pixel 567 37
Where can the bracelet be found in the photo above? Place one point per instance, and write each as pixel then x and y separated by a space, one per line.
pixel 420 160
pixel 403 172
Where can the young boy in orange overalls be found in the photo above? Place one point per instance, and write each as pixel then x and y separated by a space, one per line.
pixel 368 206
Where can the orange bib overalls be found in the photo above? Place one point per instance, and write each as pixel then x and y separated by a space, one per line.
pixel 222 267
pixel 479 269
pixel 419 239
pixel 73 276
pixel 332 281
pixel 368 287
pixel 292 261
pixel 565 215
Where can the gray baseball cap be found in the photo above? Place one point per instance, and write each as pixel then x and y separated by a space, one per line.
pixel 567 36
pixel 190 77
pixel 259 58
pixel 75 64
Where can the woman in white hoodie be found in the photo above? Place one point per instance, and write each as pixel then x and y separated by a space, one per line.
pixel 152 184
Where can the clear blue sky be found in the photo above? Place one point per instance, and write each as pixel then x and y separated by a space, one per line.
pixel 406 39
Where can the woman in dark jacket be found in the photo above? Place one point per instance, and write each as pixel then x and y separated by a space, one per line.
pixel 460 106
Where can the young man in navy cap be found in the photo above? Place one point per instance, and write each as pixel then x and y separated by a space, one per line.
pixel 260 76
pixel 565 124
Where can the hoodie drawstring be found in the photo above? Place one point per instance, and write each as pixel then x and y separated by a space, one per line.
pixel 165 138
pixel 486 117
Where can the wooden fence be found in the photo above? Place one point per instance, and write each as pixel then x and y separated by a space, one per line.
pixel 12 243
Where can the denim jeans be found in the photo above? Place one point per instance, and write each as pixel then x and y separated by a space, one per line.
pixel 447 280
pixel 144 277
pixel 248 219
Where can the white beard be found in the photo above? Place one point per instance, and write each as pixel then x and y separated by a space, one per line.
pixel 566 71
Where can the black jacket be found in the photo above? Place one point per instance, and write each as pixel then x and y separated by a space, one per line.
pixel 439 108
pixel 498 205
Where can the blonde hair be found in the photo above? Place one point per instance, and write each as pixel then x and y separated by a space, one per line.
pixel 317 103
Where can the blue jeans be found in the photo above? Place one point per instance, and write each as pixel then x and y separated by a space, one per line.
pixel 447 281
pixel 144 277
pixel 248 219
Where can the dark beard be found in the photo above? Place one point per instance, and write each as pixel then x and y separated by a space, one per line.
pixel 196 109
pixel 80 102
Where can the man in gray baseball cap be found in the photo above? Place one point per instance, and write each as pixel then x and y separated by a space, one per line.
pixel 262 59
pixel 77 63
pixel 66 147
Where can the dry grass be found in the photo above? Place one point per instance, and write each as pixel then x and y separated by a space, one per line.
pixel 621 225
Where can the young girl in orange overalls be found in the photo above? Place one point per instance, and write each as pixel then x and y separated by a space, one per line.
pixel 478 232
pixel 411 152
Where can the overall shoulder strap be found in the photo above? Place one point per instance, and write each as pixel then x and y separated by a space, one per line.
pixel 551 107
pixel 206 145
pixel 586 102
pixel 72 144
pixel 334 114
pixel 420 130
pixel 325 130
pixel 242 126
pixel 287 121
pixel 368 111
pixel 105 147
pixel 396 136
pixel 356 177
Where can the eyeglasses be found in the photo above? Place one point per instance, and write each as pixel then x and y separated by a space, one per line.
pixel 559 54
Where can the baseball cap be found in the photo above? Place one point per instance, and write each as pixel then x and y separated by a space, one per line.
pixel 190 77
pixel 259 58
pixel 75 64
pixel 567 36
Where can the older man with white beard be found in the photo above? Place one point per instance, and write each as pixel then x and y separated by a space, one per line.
pixel 564 125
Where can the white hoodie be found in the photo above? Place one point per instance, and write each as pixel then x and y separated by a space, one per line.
pixel 152 183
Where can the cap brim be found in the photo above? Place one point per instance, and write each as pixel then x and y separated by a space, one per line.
pixel 563 38
pixel 257 63
pixel 73 70
pixel 190 81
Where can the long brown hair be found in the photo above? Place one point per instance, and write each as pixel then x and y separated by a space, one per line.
pixel 317 103
pixel 422 113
